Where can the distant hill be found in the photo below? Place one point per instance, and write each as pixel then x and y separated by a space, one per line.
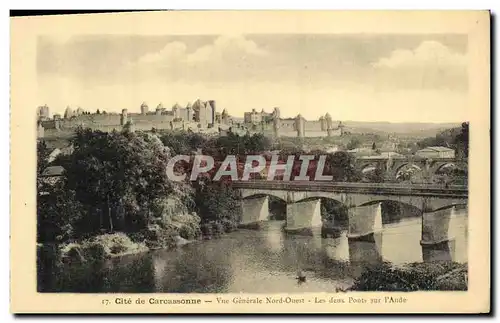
pixel 406 128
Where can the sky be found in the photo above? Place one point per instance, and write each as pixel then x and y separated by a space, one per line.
pixel 362 77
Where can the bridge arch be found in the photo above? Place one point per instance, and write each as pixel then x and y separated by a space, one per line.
pixel 409 165
pixel 449 205
pixel 278 194
pixel 394 210
pixel 368 165
pixel 440 167
pixel 406 164
pixel 259 195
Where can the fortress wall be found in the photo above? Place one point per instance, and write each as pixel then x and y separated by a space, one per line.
pixel 88 120
pixel 53 133
pixel 336 132
pixel 178 125
pixel 151 119
pixel 287 123
pixel 268 132
pixel 312 126
pixel 211 131
pixel 106 128
pixel 49 124
pixel 316 134
pixel 222 126
pixel 288 133
pixel 268 127
pixel 156 125
pixel 192 125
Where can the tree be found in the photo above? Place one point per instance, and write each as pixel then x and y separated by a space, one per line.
pixel 58 213
pixel 354 143
pixel 42 154
pixel 407 174
pixel 462 141
pixel 118 177
pixel 375 176
pixel 216 201
pixel 341 165
pixel 374 147
pixel 98 112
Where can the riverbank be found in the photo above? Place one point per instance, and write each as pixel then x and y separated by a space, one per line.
pixel 414 277
pixel 119 244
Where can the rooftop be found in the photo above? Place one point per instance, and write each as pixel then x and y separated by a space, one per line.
pixel 436 148
pixel 53 171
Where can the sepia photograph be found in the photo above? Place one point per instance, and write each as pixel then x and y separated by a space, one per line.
pixel 269 166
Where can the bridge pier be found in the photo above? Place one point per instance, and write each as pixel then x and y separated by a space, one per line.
pixel 444 251
pixel 367 250
pixel 364 221
pixel 436 226
pixel 254 211
pixel 304 217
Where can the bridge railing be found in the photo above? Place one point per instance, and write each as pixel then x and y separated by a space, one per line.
pixel 346 185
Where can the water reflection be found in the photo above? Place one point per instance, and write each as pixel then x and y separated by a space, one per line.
pixel 265 261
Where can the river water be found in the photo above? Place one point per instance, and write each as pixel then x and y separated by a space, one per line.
pixel 258 261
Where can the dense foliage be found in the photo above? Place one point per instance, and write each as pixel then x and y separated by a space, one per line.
pixel 413 277
pixel 113 182
pixel 456 138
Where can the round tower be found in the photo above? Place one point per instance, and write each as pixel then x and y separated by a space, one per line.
pixel 276 113
pixel 329 125
pixel 328 119
pixel 68 113
pixel 129 126
pixel 43 112
pixel 322 123
pixel 276 127
pixel 175 109
pixel 124 117
pixel 300 126
pixel 214 110
pixel 341 127
pixel 144 108
pixel 189 113
pixel 40 130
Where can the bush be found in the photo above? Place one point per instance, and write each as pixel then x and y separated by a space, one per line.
pixel 413 277
pixel 95 251
pixel 157 237
pixel 206 229
pixel 189 232
pixel 218 228
pixel 229 226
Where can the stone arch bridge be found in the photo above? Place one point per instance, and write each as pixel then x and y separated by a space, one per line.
pixel 362 200
pixel 391 166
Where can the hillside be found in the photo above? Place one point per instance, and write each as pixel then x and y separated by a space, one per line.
pixel 413 129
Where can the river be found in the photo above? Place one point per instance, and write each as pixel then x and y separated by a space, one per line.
pixel 258 261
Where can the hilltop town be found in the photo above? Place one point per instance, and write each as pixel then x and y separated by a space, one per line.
pixel 200 116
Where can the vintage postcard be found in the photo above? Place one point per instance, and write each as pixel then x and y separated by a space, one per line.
pixel 251 162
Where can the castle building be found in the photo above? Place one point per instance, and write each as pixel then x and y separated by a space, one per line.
pixel 196 117
pixel 255 117
pixel 43 112
pixel 200 116
pixel 273 125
